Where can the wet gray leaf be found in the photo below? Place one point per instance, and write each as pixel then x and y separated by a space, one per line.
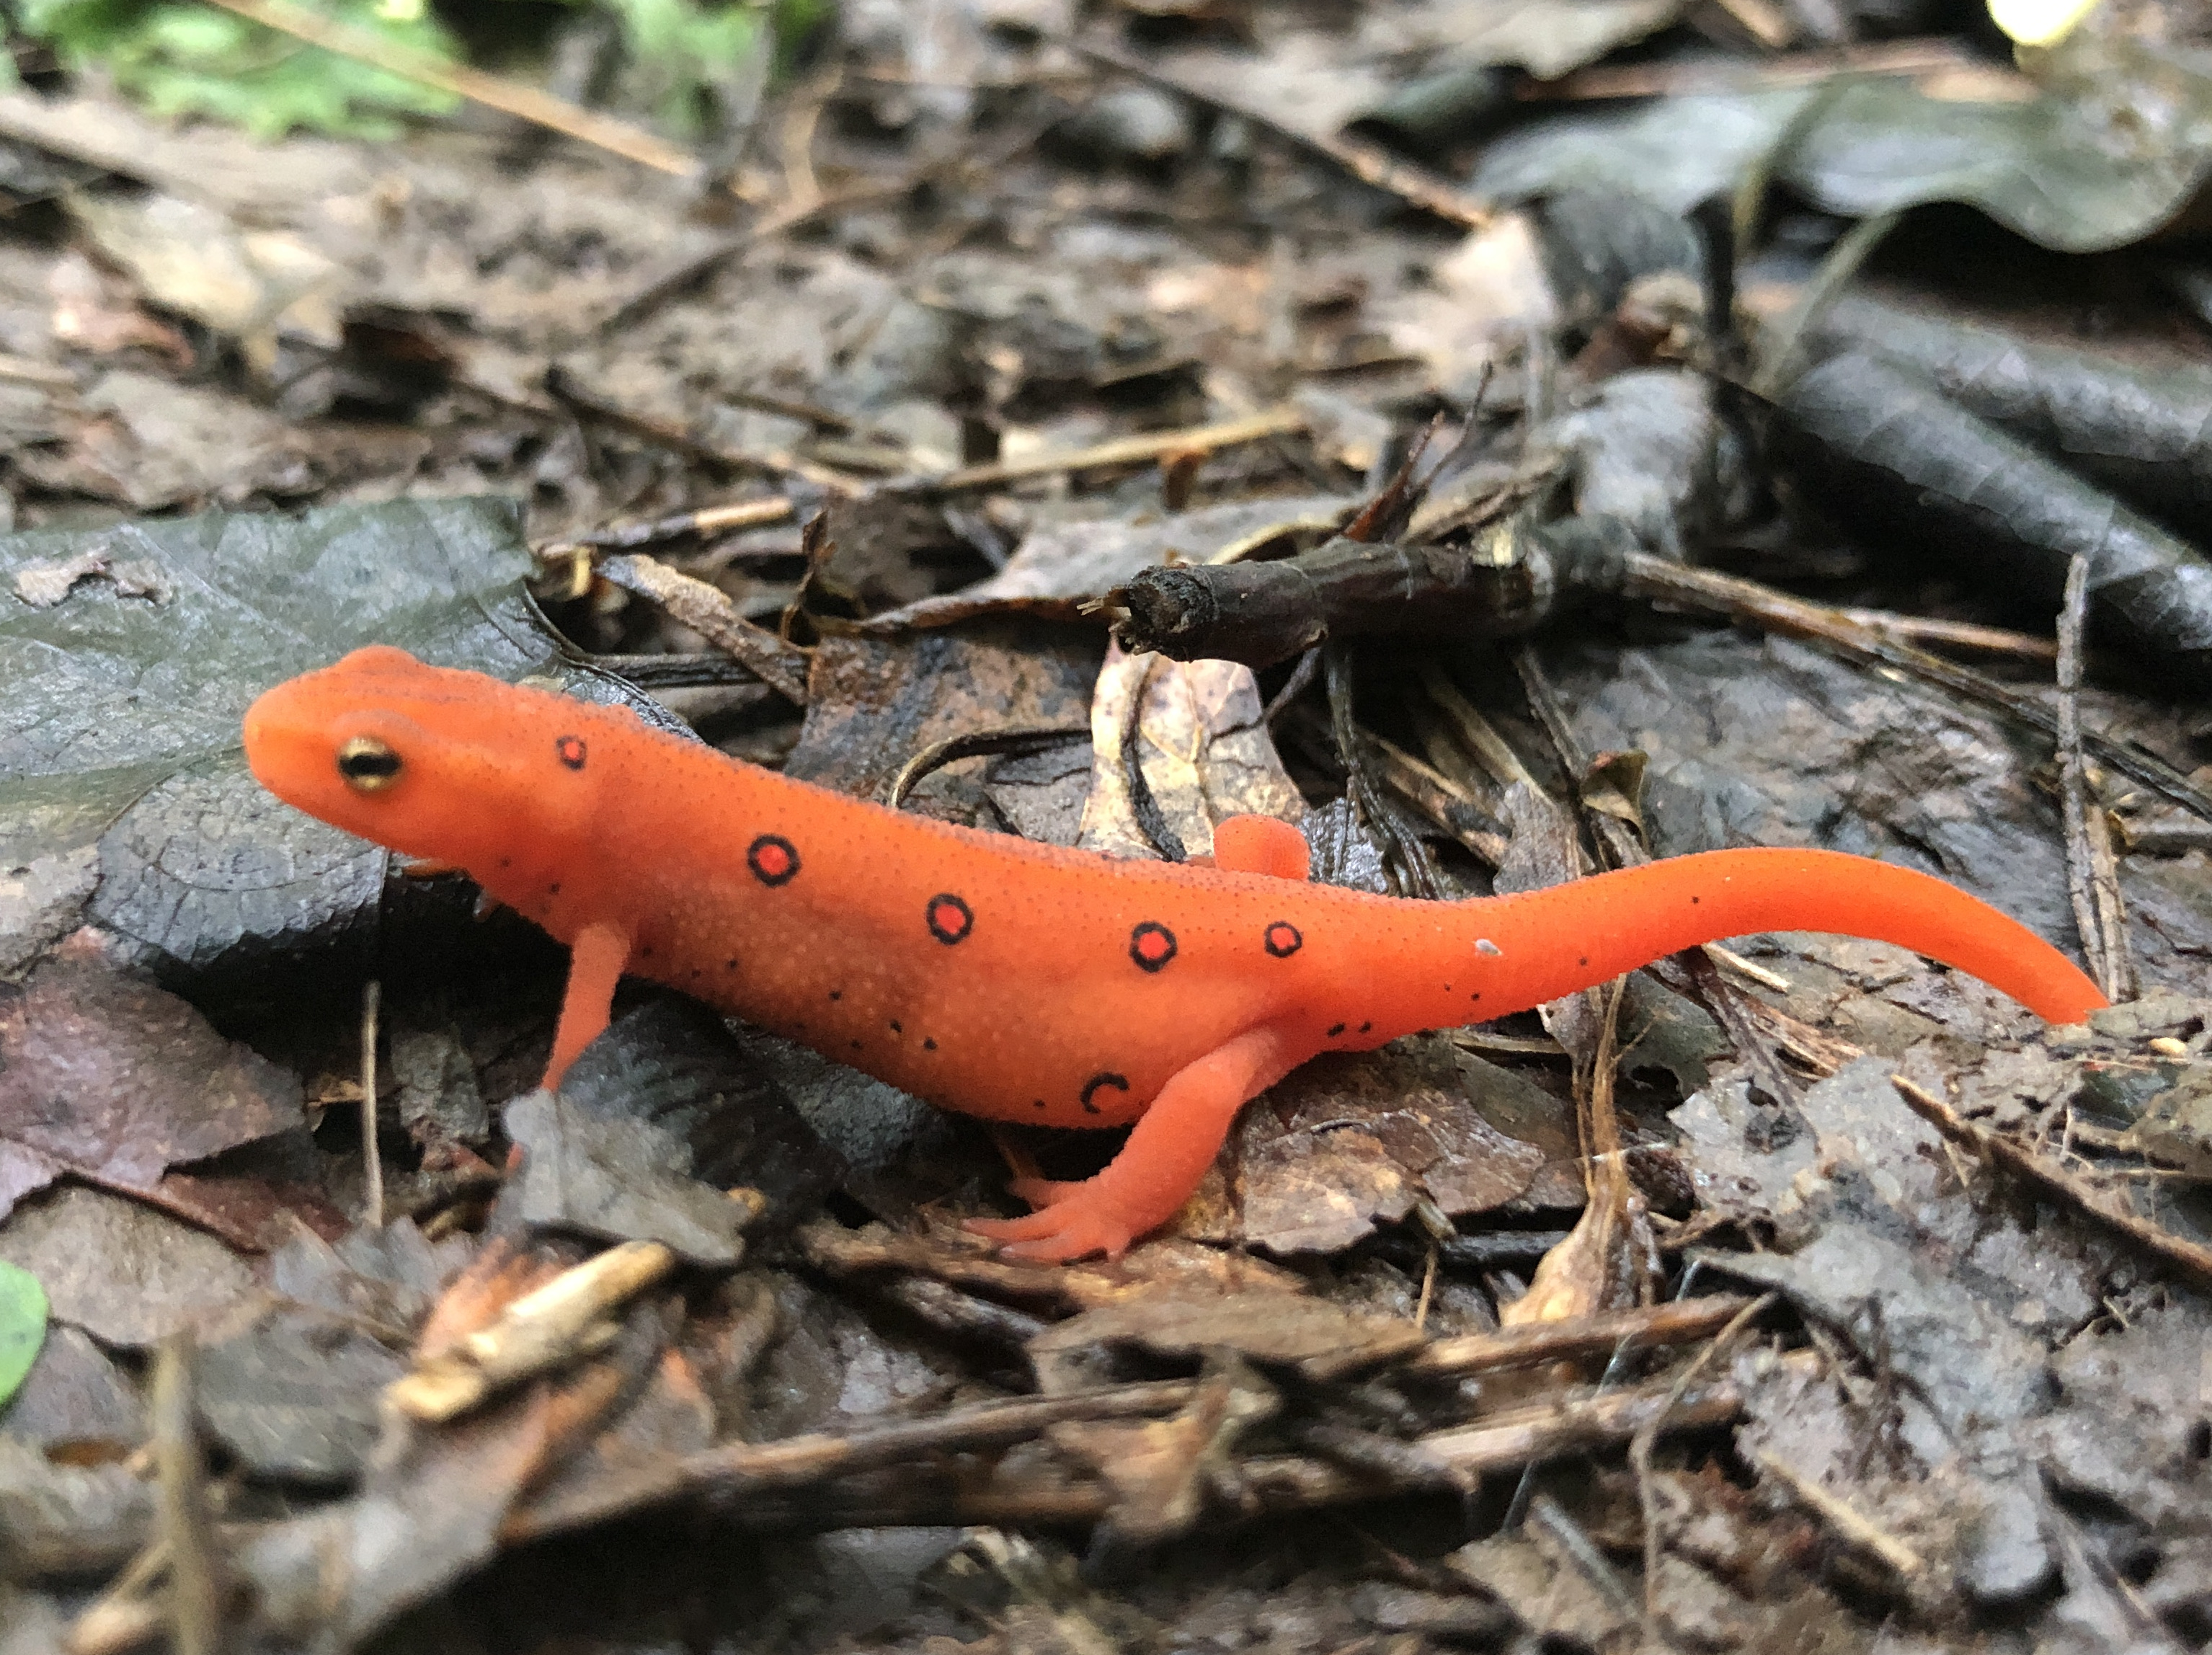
pixel 2046 168
pixel 120 726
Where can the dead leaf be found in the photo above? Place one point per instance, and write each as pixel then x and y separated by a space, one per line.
pixel 1354 1140
pixel 103 1074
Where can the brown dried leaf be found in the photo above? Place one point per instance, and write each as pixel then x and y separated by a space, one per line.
pixel 1349 1140
pixel 107 1076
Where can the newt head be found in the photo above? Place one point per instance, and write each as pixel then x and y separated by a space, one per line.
pixel 433 763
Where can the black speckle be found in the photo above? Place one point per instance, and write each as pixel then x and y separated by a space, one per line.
pixel 949 918
pixel 729 964
pixel 928 1043
pixel 1364 1027
pixel 1038 1104
pixel 773 859
pixel 1104 1078
pixel 552 890
pixel 646 952
pixel 1474 996
pixel 506 861
pixel 1694 901
pixel 856 1045
pixel 695 970
pixel 836 993
pixel 1334 1030
pixel 1584 960
pixel 895 1028
pixel 1151 945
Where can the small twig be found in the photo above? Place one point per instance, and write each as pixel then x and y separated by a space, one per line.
pixel 1736 73
pixel 372 1153
pixel 1734 962
pixel 1368 164
pixel 1549 1515
pixel 1142 450
pixel 565 1318
pixel 1958 634
pixel 2093 880
pixel 706 519
pixel 1022 739
pixel 1855 1529
pixel 195 1595
pixel 2107 1207
pixel 707 611
pixel 523 102
pixel 1536 1344
pixel 563 384
pixel 1647 1436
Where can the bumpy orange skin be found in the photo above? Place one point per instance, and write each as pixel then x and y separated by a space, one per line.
pixel 1015 981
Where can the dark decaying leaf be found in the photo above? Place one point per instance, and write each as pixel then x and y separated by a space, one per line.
pixel 658 1116
pixel 103 1074
pixel 877 702
pixel 387 1278
pixel 2143 432
pixel 332 1577
pixel 291 1392
pixel 1348 1142
pixel 1881 447
pixel 119 727
pixel 674 1064
pixel 68 1520
pixel 76 1401
pixel 2049 168
pixel 125 1274
pixel 603 1176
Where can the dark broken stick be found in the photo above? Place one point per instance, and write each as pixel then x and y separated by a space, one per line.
pixel 1259 613
pixel 1881 447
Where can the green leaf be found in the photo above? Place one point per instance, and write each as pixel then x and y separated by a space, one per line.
pixel 189 59
pixel 22 1327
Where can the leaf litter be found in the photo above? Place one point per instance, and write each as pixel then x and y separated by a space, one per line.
pixel 1068 344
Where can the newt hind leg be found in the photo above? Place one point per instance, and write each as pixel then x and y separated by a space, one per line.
pixel 1168 1153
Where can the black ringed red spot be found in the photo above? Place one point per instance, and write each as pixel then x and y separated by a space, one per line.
pixel 773 859
pixel 1105 1077
pixel 951 920
pixel 1283 940
pixel 569 749
pixel 1151 945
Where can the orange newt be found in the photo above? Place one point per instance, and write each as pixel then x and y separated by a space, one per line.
pixel 1015 981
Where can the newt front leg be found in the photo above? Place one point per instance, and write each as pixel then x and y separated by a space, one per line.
pixel 596 959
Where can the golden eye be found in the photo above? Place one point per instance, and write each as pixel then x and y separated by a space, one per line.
pixel 368 764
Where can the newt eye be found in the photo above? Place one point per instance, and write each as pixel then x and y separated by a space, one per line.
pixel 368 764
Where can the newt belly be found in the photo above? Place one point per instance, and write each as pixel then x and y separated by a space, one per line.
pixel 1001 978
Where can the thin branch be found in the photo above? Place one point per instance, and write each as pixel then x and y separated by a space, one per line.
pixel 2092 875
pixel 372 1152
pixel 1371 166
pixel 509 98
